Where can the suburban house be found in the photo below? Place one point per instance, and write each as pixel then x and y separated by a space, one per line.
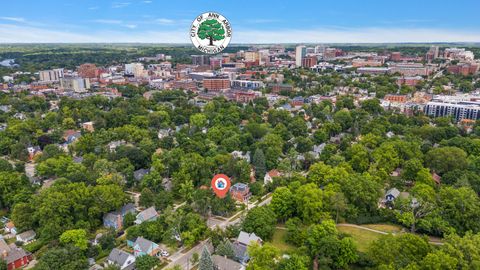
pixel 122 259
pixel 139 174
pixel 240 192
pixel 148 214
pixel 240 246
pixel 142 246
pixel 223 263
pixel 26 237
pixel 112 146
pixel 268 178
pixel 391 194
pixel 246 239
pixel 88 126
pixel 162 133
pixel 115 219
pixel 14 256
pixel 437 178
pixel 240 155
pixel 10 228
pixel 317 150
pixel 96 240
pixel 69 136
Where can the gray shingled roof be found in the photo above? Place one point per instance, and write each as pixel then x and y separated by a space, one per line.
pixel 143 243
pixel 246 238
pixel 148 213
pixel 118 256
pixel 4 246
pixel 28 235
pixel 394 192
pixel 13 252
pixel 223 263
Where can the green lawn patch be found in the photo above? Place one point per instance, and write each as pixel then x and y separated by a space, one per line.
pixel 362 238
pixel 388 228
pixel 278 240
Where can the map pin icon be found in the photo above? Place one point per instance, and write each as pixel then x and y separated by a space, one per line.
pixel 221 185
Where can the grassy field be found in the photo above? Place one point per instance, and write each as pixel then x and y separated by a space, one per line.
pixel 278 240
pixel 388 228
pixel 362 238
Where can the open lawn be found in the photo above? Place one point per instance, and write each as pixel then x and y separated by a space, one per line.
pixel 388 228
pixel 278 240
pixel 362 238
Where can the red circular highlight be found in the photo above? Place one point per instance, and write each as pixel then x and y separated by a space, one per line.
pixel 221 185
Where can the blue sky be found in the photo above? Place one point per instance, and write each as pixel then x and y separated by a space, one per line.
pixel 253 21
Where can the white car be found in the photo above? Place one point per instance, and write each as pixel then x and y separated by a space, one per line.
pixel 164 253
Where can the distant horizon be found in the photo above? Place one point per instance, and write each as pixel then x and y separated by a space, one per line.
pixel 476 43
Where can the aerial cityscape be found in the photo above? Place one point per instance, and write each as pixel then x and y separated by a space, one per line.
pixel 210 135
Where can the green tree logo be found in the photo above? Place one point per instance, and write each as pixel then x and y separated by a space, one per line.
pixel 212 30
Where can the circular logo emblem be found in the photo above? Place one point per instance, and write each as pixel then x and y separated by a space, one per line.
pixel 220 183
pixel 210 32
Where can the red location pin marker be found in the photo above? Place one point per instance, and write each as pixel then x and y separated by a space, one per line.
pixel 221 185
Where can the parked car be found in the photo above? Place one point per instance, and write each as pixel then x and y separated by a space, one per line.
pixel 164 253
pixel 4 220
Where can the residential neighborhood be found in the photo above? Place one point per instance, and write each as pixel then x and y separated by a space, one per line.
pixel 148 135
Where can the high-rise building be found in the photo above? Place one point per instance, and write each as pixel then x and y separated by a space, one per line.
pixel 459 54
pixel 459 110
pixel 76 84
pixel 216 83
pixel 435 50
pixel 88 71
pixel 464 69
pixel 135 69
pixel 51 75
pixel 331 53
pixel 309 50
pixel 263 57
pixel 309 61
pixel 320 49
pixel 432 53
pixel 300 52
pixel 201 60
pixel 215 62
pixel 396 56
pixel 251 56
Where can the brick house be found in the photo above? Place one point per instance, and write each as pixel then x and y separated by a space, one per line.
pixel 14 256
pixel 240 192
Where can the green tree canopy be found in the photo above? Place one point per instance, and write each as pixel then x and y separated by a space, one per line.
pixel 211 30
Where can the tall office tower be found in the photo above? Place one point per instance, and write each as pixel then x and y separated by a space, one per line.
pixel 300 52
pixel 201 60
pixel 51 75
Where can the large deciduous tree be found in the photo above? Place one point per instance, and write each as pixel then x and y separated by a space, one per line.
pixel 261 221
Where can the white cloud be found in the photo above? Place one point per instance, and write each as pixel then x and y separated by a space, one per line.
pixel 28 34
pixel 120 4
pixel 108 21
pixel 164 21
pixel 13 19
pixel 147 2
pixel 93 8
pixel 262 21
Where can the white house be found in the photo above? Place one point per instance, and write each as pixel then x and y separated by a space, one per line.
pixel 26 237
pixel 268 178
pixel 121 258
